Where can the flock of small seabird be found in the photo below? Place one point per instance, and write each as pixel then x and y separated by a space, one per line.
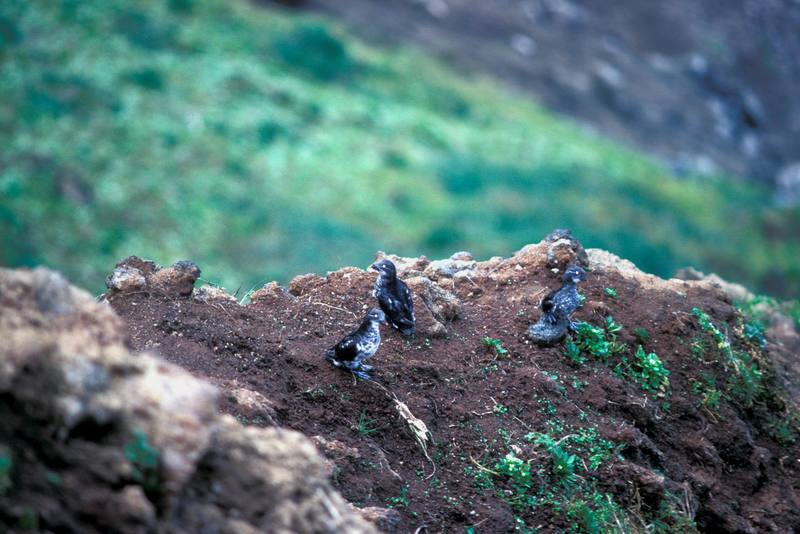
pixel 397 310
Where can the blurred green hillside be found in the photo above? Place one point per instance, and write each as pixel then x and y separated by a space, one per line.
pixel 263 145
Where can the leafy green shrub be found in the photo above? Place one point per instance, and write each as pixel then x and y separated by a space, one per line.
pixel 649 371
pixel 313 50
pixel 600 342
pixel 573 352
pixel 494 345
pixel 518 471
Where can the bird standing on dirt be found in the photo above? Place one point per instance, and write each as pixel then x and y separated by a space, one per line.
pixel 359 345
pixel 394 298
pixel 558 307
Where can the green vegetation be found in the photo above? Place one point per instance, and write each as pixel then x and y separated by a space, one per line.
pixel 750 377
pixel 364 425
pixel 599 342
pixel 642 334
pixel 559 475
pixel 611 292
pixel 262 144
pixel 649 371
pixel 499 409
pixel 706 389
pixel 745 373
pixel 144 459
pixel 495 346
pixel 401 500
pixel 6 465
pixel 602 342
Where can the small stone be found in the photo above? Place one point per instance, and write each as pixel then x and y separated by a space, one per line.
pixel 437 330
pixel 387 519
pixel 126 278
pixel 462 256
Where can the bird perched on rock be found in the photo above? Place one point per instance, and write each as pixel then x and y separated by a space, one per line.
pixel 558 307
pixel 394 298
pixel 359 345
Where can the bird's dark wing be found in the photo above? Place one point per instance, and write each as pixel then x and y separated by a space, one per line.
pixel 399 307
pixel 407 301
pixel 346 349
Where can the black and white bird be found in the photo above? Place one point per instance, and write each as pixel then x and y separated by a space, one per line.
pixel 394 298
pixel 558 307
pixel 359 345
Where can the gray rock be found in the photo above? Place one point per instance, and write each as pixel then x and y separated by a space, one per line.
pixel 448 268
pixel 126 278
pixel 788 185
pixel 462 256
pixel 74 370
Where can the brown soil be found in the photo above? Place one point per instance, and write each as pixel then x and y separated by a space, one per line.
pixel 728 474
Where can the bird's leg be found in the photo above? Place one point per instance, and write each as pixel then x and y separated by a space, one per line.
pixel 573 326
pixel 360 374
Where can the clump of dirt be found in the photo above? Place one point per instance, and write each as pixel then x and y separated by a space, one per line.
pixel 592 434
pixel 96 439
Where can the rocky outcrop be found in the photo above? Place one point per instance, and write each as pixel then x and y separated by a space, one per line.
pixel 96 439
pixel 136 274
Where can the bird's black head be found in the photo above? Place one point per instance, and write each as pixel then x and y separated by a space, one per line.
pixel 385 267
pixel 574 274
pixel 375 315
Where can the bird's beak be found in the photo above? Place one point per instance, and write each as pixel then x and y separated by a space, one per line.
pixel 374 267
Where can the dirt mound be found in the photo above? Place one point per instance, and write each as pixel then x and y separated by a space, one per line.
pixel 96 439
pixel 690 431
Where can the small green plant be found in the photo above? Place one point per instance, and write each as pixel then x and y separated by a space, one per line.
pixel 600 342
pixel 563 468
pixel 144 459
pixel 495 346
pixel 611 292
pixel 649 371
pixel 642 335
pixel 499 409
pixel 517 470
pixel 573 352
pixel 754 331
pixel 401 500
pixel 708 393
pixel 481 478
pixel 6 465
pixel 364 424
pixel 579 385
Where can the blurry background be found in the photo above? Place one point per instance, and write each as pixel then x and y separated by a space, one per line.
pixel 265 139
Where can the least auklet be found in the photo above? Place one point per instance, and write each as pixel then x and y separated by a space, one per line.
pixel 359 345
pixel 394 298
pixel 558 307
